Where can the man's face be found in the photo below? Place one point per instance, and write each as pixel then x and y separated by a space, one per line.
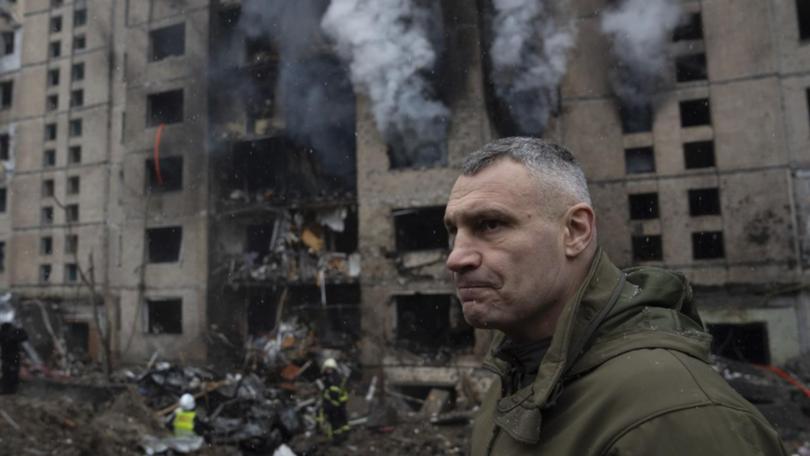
pixel 507 258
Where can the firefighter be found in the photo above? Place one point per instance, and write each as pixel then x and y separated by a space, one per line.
pixel 11 339
pixel 334 417
pixel 184 421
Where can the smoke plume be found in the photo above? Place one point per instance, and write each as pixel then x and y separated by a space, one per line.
pixel 529 57
pixel 640 31
pixel 390 46
pixel 314 90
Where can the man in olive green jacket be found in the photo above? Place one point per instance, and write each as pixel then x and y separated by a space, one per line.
pixel 591 360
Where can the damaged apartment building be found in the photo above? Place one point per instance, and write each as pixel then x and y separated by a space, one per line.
pixel 210 168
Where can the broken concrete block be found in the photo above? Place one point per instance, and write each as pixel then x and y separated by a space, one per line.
pixel 436 402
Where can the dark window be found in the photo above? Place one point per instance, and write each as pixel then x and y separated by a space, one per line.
pixel 746 342
pixel 49 158
pixel 8 42
pixel 707 245
pixel 689 29
pixel 170 177
pixel 3 202
pixel 639 160
pixel 55 49
pixel 699 154
pixel 167 42
pixel 6 94
pixel 77 71
pixel 79 17
pixel 643 206
pixel 5 147
pixel 163 244
pixel 76 98
pixel 75 154
pixel 47 188
pixel 420 229
pixel 77 337
pixel 71 273
pixel 46 245
pixel 636 118
pixel 704 201
pixel 71 244
pixel 75 128
pixel 52 102
pixel 50 132
pixel 53 77
pixel 426 323
pixel 803 14
pixel 2 256
pixel 690 68
pixel 47 215
pixel 79 42
pixel 73 185
pixel 647 248
pixel 165 316
pixel 56 24
pixel 72 213
pixel 258 239
pixel 57 3
pixel 695 112
pixel 164 108
pixel 44 273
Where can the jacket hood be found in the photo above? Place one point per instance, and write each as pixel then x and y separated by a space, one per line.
pixel 613 312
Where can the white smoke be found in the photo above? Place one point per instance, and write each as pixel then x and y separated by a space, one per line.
pixel 529 55
pixel 388 46
pixel 640 31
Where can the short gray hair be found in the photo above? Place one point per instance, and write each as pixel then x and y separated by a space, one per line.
pixel 545 160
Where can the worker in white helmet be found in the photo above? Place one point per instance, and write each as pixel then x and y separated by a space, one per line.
pixel 334 418
pixel 184 421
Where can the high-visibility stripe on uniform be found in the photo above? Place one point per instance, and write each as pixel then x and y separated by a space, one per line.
pixel 184 422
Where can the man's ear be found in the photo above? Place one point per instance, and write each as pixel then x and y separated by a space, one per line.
pixel 580 229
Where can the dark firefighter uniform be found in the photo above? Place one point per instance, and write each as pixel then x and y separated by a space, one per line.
pixel 335 398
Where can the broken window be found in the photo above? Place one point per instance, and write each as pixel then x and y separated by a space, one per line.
pixel 77 337
pixel 46 245
pixel 695 112
pixel 698 154
pixel 79 42
pixel 48 158
pixel 258 239
pixel 3 196
pixel 707 245
pixel 164 108
pixel 75 128
pixel 167 177
pixel 77 71
pixel 5 146
pixel 50 132
pixel 427 322
pixel 690 68
pixel 420 229
pixel 53 77
pixel 636 118
pixel 46 215
pixel 689 29
pixel 334 311
pixel 47 188
pixel 165 316
pixel 72 213
pixel 44 273
pixel 647 248
pixel 56 24
pixel 6 94
pixel 71 244
pixel 163 244
pixel 8 42
pixel 73 185
pixel 704 201
pixel 639 160
pixel 746 342
pixel 643 206
pixel 71 273
pixel 76 98
pixel 260 50
pixel 803 15
pixel 52 102
pixel 167 42
pixel 261 312
pixel 74 155
pixel 80 17
pixel 55 49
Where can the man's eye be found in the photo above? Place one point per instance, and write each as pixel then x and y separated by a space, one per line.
pixel 490 225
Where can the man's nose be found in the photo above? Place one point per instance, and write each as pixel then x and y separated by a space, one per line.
pixel 463 256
